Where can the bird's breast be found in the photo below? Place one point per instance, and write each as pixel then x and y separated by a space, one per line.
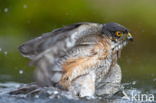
pixel 97 56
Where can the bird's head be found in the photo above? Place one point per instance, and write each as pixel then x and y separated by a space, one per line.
pixel 118 34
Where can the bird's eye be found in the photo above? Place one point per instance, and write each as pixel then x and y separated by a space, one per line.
pixel 118 34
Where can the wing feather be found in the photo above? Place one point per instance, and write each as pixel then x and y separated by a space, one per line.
pixel 65 37
pixel 46 50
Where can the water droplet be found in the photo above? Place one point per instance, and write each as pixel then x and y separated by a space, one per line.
pixel 21 72
pixel 134 82
pixel 51 97
pixel 6 10
pixel 36 96
pixel 50 92
pixel 5 52
pixel 55 92
pixel 25 6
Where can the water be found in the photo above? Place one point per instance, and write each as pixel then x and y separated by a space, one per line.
pixel 31 93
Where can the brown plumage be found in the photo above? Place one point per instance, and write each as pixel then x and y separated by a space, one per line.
pixel 81 65
pixel 81 58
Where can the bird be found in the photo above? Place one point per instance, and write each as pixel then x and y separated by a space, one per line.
pixel 80 58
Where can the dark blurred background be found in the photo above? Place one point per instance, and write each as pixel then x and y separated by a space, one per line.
pixel 22 20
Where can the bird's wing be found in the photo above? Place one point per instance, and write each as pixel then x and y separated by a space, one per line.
pixel 47 50
pixel 78 61
pixel 59 40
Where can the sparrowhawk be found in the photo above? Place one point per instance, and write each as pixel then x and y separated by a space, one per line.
pixel 81 58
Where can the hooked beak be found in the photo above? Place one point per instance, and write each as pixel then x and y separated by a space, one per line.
pixel 129 37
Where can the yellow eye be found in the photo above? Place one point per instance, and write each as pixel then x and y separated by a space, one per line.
pixel 118 34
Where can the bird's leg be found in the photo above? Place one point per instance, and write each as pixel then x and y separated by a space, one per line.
pixel 111 84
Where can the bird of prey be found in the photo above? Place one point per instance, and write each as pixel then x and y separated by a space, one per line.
pixel 81 58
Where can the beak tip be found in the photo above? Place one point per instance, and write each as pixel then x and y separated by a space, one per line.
pixel 130 39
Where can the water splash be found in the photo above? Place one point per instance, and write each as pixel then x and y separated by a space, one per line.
pixel 56 96
pixel 36 96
